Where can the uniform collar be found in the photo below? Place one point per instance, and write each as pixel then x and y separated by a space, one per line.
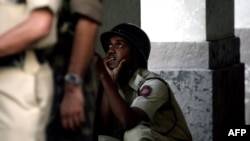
pixel 138 79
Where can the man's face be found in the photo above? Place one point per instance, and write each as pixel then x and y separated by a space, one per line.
pixel 119 49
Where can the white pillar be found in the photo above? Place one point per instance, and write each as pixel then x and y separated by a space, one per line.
pixel 195 50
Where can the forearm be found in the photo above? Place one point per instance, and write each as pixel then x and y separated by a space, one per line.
pixel 21 37
pixel 83 47
pixel 121 110
pixel 106 117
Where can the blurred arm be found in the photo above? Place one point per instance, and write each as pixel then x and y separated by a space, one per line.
pixel 34 28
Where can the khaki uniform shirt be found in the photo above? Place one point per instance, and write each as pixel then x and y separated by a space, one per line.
pixel 153 97
pixel 13 13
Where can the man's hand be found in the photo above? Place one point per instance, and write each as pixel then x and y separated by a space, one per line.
pixel 114 72
pixel 72 107
pixel 103 68
pixel 98 61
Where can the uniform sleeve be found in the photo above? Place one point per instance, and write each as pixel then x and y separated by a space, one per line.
pixel 154 100
pixel 53 5
pixel 90 8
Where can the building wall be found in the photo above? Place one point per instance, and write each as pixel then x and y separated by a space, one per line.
pixel 194 48
pixel 116 12
pixel 202 73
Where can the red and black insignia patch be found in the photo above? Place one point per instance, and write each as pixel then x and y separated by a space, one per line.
pixel 145 91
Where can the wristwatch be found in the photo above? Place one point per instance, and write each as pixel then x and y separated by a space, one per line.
pixel 73 78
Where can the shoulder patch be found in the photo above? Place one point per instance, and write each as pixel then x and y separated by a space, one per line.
pixel 145 91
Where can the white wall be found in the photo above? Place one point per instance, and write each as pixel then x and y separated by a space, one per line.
pixel 173 20
pixel 242 13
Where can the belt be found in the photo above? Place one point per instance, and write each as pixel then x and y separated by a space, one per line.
pixel 18 59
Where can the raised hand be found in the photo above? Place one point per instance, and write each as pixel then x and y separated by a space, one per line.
pixel 115 71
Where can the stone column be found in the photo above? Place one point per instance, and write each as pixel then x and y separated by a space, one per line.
pixel 242 30
pixel 195 50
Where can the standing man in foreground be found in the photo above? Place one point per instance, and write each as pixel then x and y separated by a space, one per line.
pixel 87 15
pixel 136 104
pixel 27 29
pixel 78 23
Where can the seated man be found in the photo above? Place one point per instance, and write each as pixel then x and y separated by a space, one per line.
pixel 136 104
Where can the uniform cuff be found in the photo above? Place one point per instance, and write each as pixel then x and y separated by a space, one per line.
pixel 89 8
pixel 53 5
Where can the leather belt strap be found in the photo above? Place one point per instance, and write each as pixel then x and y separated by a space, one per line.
pixel 17 60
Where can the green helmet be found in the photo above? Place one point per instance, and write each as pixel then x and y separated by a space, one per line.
pixel 132 33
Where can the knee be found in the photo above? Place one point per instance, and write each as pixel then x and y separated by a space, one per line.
pixel 138 133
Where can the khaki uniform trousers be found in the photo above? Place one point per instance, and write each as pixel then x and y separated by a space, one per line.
pixel 138 133
pixel 144 133
pixel 25 100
